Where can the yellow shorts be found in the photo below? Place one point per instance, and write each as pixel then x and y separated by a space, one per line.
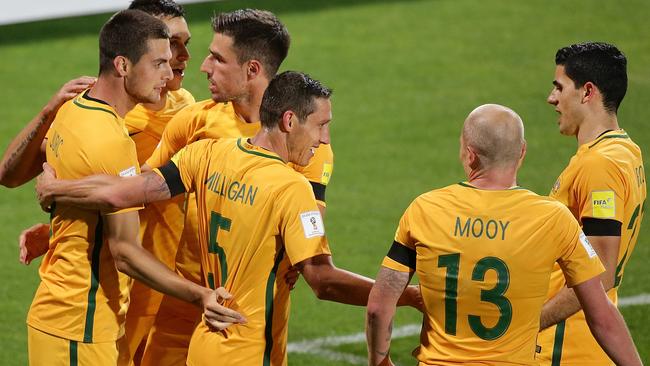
pixel 48 350
pixel 132 344
pixel 170 335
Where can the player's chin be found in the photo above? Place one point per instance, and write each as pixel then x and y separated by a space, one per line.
pixel 153 97
pixel 175 83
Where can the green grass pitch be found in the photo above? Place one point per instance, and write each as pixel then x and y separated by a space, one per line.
pixel 405 74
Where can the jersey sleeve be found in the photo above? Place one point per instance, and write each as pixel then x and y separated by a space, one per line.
pixel 301 224
pixel 175 136
pixel 402 255
pixel 124 164
pixel 180 172
pixel 578 260
pixel 600 190
pixel 319 171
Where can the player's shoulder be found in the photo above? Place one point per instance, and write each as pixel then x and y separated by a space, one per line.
pixel 609 148
pixel 196 107
pixel 90 119
pixel 324 152
pixel 212 144
pixel 181 96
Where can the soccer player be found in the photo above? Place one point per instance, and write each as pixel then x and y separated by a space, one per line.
pixel 161 223
pixel 484 251
pixel 257 217
pixel 603 186
pixel 78 310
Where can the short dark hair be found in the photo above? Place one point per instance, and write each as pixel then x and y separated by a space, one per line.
pixel 257 34
pixel 600 63
pixel 159 8
pixel 291 91
pixel 126 34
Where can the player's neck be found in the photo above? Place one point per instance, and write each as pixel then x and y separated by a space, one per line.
pixel 158 105
pixel 273 141
pixel 596 124
pixel 493 179
pixel 111 90
pixel 248 107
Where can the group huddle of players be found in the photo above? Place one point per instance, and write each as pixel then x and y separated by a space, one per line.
pixel 215 208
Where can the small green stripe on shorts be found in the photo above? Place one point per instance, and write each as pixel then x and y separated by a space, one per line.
pixel 558 343
pixel 73 353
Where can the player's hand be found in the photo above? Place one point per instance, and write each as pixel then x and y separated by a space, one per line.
pixel 69 90
pixel 414 297
pixel 291 277
pixel 216 315
pixel 34 242
pixel 43 181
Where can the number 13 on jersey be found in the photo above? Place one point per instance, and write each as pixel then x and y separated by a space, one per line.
pixel 496 295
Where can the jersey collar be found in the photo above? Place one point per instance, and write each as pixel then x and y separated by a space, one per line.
pixel 249 148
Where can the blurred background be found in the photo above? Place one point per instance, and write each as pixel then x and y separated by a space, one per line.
pixel 405 75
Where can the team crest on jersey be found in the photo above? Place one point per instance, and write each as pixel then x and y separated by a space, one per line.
pixel 312 224
pixel 327 173
pixel 603 204
pixel 587 245
pixel 556 186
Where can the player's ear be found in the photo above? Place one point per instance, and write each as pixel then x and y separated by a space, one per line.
pixel 588 91
pixel 523 155
pixel 254 69
pixel 288 120
pixel 472 158
pixel 121 65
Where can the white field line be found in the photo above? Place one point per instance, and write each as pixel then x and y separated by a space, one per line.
pixel 322 346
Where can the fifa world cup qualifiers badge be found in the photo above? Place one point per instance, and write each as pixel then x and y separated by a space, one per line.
pixel 312 224
pixel 603 204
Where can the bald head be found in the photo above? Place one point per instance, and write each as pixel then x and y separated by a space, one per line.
pixel 496 134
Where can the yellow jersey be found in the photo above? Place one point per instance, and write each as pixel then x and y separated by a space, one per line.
pixel 211 120
pixel 146 126
pixel 256 217
pixel 161 223
pixel 82 297
pixel 484 260
pixel 604 180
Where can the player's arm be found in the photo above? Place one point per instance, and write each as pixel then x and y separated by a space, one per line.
pixel 334 284
pixel 23 158
pixel 175 136
pixel 385 294
pixel 133 260
pixel 604 236
pixel 606 323
pixel 103 192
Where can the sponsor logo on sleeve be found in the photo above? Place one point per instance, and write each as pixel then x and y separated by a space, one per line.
pixel 129 172
pixel 312 224
pixel 327 173
pixel 585 244
pixel 603 204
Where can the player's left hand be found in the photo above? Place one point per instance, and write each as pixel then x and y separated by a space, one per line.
pixel 34 242
pixel 291 277
pixel 42 182
pixel 216 315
